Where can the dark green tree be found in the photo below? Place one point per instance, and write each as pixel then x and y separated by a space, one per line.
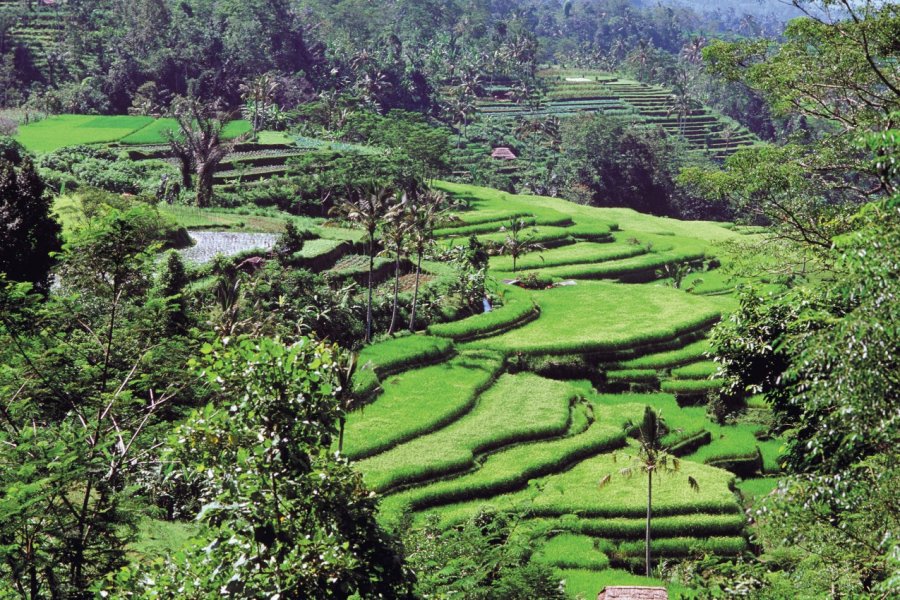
pixel 28 233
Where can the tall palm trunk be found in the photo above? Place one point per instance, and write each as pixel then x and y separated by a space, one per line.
pixel 649 517
pixel 369 303
pixel 343 421
pixel 396 293
pixel 412 314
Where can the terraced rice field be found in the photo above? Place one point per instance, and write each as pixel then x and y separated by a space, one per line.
pixel 571 93
pixel 59 131
pixel 455 422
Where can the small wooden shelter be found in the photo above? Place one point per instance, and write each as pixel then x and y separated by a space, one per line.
pixel 503 153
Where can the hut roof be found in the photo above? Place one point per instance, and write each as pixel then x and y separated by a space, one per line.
pixel 503 154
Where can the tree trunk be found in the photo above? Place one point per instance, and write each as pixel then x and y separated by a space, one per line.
pixel 369 303
pixel 185 167
pixel 396 294
pixel 204 185
pixel 412 314
pixel 649 517
pixel 341 435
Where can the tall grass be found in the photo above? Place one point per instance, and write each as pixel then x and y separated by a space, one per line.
pixel 605 317
pixel 517 408
pixel 417 402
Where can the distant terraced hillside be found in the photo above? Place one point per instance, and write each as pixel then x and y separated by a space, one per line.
pixel 39 26
pixel 571 93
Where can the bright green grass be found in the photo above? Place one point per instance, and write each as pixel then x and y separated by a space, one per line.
pixel 728 441
pixel 155 132
pixel 59 131
pixel 696 525
pixel 671 358
pixel 474 217
pixel 553 220
pixel 191 217
pixel 688 419
pixel 632 375
pixel 517 306
pixel 402 352
pixel 572 551
pixel 542 234
pixel 274 137
pixel 318 247
pixel 578 253
pixel 517 408
pixel 605 317
pixel 639 264
pixel 418 401
pixel 685 546
pixel 576 492
pixel 697 370
pixel 691 386
pixel 626 219
pixel 757 488
pixel 513 468
pixel 587 584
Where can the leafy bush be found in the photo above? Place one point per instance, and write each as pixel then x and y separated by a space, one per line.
pixel 104 169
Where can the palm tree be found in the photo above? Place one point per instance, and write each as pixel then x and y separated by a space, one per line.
pixel 652 457
pixel 199 143
pixel 395 237
pixel 517 242
pixel 423 215
pixel 365 207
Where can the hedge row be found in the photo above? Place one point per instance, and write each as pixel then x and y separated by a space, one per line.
pixel 644 265
pixel 632 375
pixel 578 253
pixel 698 370
pixel 686 546
pixel 511 469
pixel 671 358
pixel 573 551
pixel 691 387
pixel 517 408
pixel 418 402
pixel 518 308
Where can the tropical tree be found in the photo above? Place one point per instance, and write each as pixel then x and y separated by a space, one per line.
pixel 259 98
pixel 366 206
pixel 395 237
pixel 199 144
pixel 423 214
pixel 652 458
pixel 518 241
pixel 28 234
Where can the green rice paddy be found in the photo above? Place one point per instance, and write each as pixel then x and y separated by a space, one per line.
pixel 455 434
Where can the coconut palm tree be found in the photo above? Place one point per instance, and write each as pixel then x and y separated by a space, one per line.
pixel 365 207
pixel 518 241
pixel 423 215
pixel 395 237
pixel 652 458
